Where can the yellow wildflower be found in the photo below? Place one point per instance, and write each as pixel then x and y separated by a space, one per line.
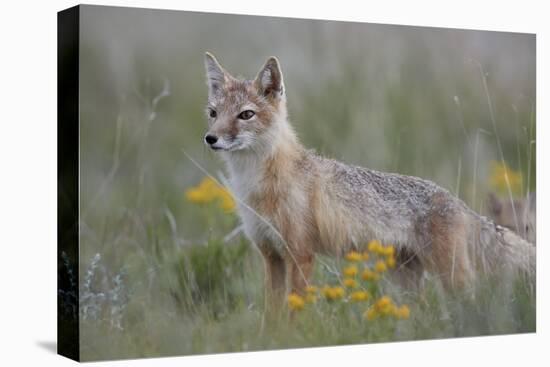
pixel 389 250
pixel 388 310
pixel 311 289
pixel 333 293
pixel 402 312
pixel 350 271
pixel 197 196
pixel 203 193
pixel 503 177
pixel 295 302
pixel 383 301
pixel 369 275
pixel 366 256
pixel 208 191
pixel 380 266
pixel 370 314
pixel 338 292
pixel 359 296
pixel 208 187
pixel 374 246
pixel 390 262
pixel 227 203
pixel 353 256
pixel 350 283
pixel 384 306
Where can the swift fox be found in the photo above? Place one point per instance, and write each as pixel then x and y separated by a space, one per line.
pixel 294 203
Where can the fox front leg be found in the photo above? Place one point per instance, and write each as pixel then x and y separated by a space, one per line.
pixel 275 278
pixel 300 269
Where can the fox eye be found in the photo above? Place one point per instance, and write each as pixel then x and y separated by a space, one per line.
pixel 246 115
pixel 212 113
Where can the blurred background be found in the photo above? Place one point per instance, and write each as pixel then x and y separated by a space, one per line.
pixel 159 274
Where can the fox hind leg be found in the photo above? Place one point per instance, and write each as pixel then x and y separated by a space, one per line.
pixel 449 250
pixel 409 270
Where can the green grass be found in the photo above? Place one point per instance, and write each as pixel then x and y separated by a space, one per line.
pixel 209 299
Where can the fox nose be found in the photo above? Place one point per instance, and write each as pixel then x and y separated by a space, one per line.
pixel 211 139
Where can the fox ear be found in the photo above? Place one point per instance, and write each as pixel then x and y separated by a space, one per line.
pixel 270 79
pixel 216 76
pixel 494 204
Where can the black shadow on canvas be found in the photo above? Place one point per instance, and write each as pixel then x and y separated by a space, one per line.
pixel 67 182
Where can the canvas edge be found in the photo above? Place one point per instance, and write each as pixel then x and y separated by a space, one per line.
pixel 68 43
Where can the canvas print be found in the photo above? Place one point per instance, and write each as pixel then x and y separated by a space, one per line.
pixel 232 183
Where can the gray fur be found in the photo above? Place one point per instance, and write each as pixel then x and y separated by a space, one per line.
pixel 396 209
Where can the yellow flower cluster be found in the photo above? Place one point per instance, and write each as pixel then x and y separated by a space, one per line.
pixel 351 283
pixel 380 266
pixel 296 302
pixel 502 177
pixel 333 293
pixel 350 271
pixel 311 289
pixel 386 256
pixel 359 296
pixel 376 247
pixel 208 191
pixel 354 256
pixel 384 306
pixel 385 259
pixel 359 285
pixel 369 275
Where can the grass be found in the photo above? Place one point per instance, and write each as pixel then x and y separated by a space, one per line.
pixel 210 300
pixel 162 276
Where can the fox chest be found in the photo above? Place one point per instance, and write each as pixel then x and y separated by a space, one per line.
pixel 271 216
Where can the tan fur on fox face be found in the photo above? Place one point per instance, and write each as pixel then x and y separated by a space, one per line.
pixel 241 112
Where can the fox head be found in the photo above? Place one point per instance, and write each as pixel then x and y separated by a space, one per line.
pixel 243 115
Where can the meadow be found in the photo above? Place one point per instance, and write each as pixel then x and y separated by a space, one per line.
pixel 165 269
